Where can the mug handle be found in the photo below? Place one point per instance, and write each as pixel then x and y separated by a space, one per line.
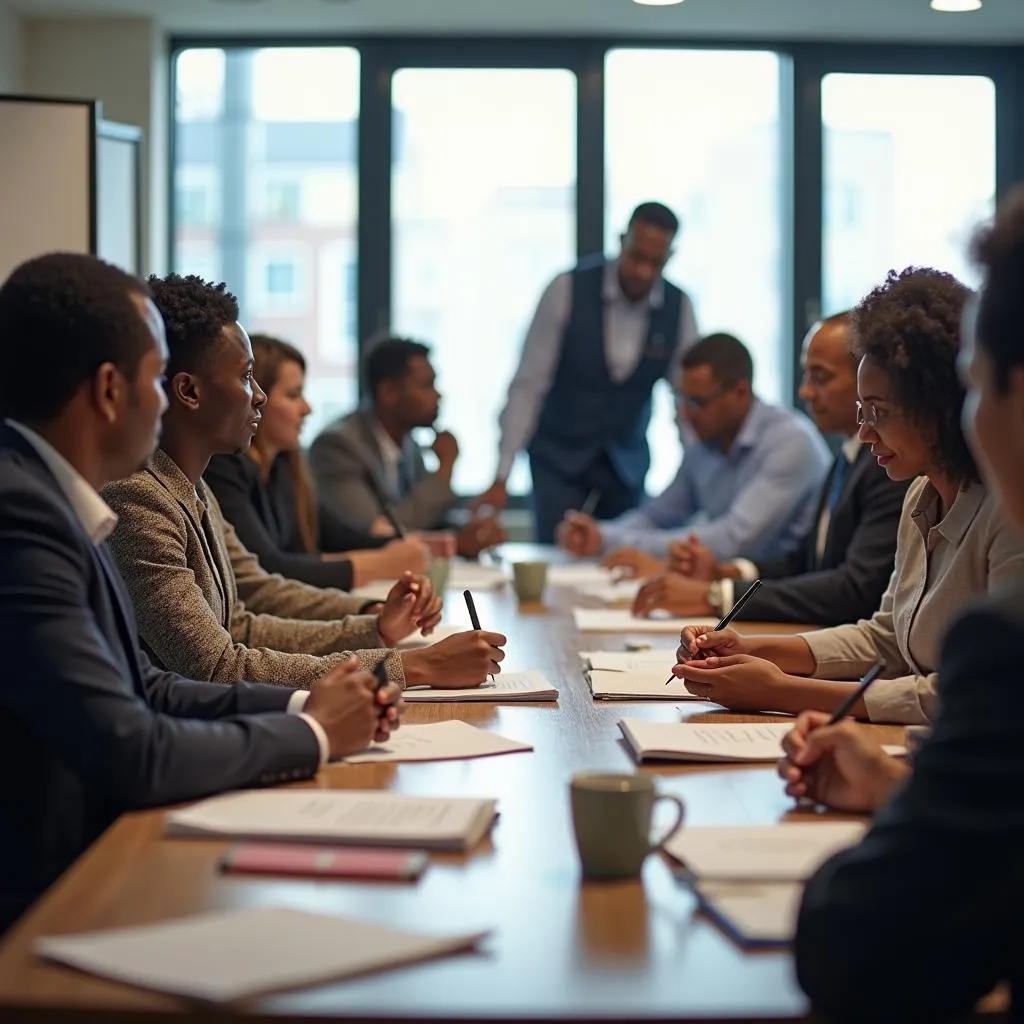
pixel 660 845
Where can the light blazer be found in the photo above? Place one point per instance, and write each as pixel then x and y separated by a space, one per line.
pixel 88 727
pixel 207 609
pixel 346 455
pixel 856 563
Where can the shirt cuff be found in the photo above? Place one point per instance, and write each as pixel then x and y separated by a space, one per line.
pixel 296 702
pixel 747 570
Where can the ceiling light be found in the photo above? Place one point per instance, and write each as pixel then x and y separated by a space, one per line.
pixel 657 3
pixel 956 6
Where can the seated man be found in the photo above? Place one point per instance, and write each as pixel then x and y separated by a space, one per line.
pixel 923 917
pixel 370 456
pixel 840 571
pixel 752 473
pixel 205 605
pixel 89 728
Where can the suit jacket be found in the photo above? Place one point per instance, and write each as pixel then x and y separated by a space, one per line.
pixel 207 609
pixel 946 855
pixel 857 561
pixel 88 727
pixel 346 457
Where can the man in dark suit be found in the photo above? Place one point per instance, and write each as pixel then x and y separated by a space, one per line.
pixel 370 457
pixel 924 916
pixel 840 572
pixel 88 727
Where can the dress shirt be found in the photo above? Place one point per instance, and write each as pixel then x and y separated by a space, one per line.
pixel 98 521
pixel 391 456
pixel 757 500
pixel 941 563
pixel 625 331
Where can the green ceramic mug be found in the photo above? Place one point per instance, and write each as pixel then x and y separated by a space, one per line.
pixel 437 572
pixel 530 579
pixel 611 817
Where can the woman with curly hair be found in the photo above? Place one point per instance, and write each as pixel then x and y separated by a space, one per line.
pixel 953 541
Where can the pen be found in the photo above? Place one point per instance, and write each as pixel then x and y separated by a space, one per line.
pixel 866 680
pixel 592 501
pixel 380 673
pixel 732 613
pixel 473 617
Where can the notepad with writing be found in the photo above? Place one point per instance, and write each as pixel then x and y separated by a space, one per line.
pixel 362 817
pixel 440 741
pixel 644 685
pixel 621 620
pixel 690 741
pixel 661 662
pixel 231 955
pixel 506 686
pixel 784 852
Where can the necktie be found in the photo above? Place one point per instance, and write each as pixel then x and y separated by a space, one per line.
pixel 841 468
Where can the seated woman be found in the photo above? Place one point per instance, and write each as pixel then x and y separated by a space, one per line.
pixel 267 493
pixel 953 541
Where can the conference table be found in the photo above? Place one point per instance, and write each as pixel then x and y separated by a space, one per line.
pixel 559 950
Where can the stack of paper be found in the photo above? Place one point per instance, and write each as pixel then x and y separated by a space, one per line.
pixel 621 620
pixel 660 662
pixel 749 878
pixel 440 741
pixel 623 592
pixel 466 575
pixel 235 954
pixel 360 817
pixel 506 686
pixel 645 685
pixel 580 574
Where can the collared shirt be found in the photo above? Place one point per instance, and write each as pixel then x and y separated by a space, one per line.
pixel 941 564
pixel 95 515
pixel 391 456
pixel 757 500
pixel 849 451
pixel 625 331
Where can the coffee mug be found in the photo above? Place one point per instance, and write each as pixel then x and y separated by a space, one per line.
pixel 437 573
pixel 611 817
pixel 530 578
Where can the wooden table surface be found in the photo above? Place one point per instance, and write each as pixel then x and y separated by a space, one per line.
pixel 560 949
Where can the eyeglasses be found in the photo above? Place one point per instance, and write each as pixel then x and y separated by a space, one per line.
pixel 698 402
pixel 870 416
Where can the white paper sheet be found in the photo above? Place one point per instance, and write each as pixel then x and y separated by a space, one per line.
pixel 439 741
pixel 753 914
pixel 620 620
pixel 630 661
pixel 230 955
pixel 517 686
pixel 644 685
pixel 686 741
pixel 580 574
pixel 377 590
pixel 787 852
pixel 366 817
pixel 419 640
pixel 465 575
pixel 612 593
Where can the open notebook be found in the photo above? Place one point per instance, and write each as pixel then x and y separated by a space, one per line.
pixel 506 686
pixel 234 954
pixel 453 740
pixel 660 661
pixel 644 685
pixel 359 817
pixel 620 620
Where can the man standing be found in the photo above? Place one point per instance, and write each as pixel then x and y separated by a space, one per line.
pixel 603 335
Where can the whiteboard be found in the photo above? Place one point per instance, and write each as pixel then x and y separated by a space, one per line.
pixel 117 163
pixel 47 173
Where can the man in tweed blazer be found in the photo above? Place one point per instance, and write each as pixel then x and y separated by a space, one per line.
pixel 204 604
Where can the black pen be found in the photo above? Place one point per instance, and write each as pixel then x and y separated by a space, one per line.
pixel 473 617
pixel 866 680
pixel 380 673
pixel 589 506
pixel 732 613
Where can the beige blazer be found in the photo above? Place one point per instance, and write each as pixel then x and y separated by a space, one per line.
pixel 205 607
pixel 941 565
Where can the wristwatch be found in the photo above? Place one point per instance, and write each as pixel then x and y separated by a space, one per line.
pixel 715 596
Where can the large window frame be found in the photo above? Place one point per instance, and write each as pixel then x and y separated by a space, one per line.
pixel 800 120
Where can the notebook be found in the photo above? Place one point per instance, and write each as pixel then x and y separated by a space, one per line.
pixel 506 686
pixel 661 662
pixel 465 575
pixel 419 640
pixel 644 685
pixel 234 954
pixel 580 574
pixel 753 915
pixel 621 620
pixel 686 741
pixel 624 592
pixel 439 741
pixel 786 852
pixel 359 817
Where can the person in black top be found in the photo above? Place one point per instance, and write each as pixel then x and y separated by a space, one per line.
pixel 267 493
pixel 924 916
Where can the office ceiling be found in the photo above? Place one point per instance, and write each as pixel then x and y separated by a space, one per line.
pixel 1000 21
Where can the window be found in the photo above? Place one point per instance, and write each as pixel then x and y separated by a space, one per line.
pixel 483 215
pixel 685 127
pixel 909 170
pixel 270 133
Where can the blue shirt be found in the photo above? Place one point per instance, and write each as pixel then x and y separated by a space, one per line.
pixel 758 500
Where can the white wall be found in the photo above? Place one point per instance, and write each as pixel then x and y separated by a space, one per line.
pixel 10 50
pixel 122 63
